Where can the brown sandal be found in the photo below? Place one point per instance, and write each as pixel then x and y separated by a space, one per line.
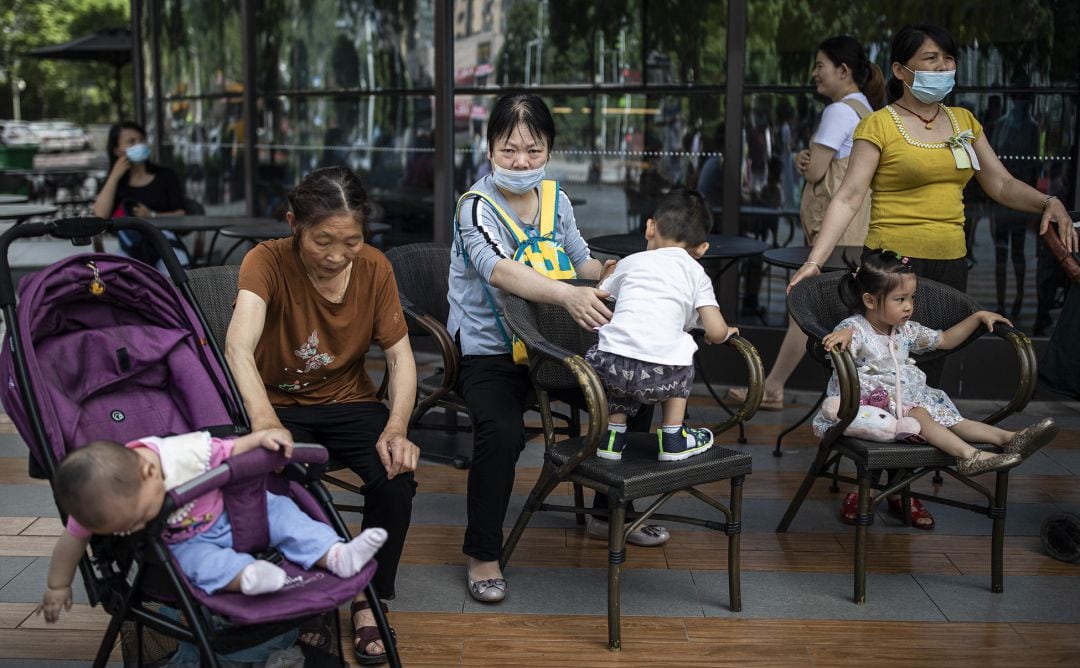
pixel 368 635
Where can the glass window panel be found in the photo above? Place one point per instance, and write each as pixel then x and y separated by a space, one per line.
pixel 386 140
pixel 615 155
pixel 201 51
pixel 204 144
pixel 997 38
pixel 1011 272
pixel 687 41
pixel 344 44
pixel 549 42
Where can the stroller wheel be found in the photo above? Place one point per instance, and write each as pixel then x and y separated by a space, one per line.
pixel 1061 537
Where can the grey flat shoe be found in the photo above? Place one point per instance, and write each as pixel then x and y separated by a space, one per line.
pixel 1028 440
pixel 486 591
pixel 650 535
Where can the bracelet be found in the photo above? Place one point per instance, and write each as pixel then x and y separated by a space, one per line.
pixel 816 264
pixel 1046 202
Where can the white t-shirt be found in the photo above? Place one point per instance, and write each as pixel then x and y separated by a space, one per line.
pixel 657 295
pixel 838 123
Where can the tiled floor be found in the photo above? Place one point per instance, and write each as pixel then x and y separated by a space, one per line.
pixel 925 589
pixel 802 577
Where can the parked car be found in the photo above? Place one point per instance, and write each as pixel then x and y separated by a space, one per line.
pixel 17 133
pixel 58 136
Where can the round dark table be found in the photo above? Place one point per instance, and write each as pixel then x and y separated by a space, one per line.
pixel 21 212
pixel 793 257
pixel 14 199
pixel 201 224
pixel 724 249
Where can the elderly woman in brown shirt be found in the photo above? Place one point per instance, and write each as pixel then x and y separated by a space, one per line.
pixel 308 309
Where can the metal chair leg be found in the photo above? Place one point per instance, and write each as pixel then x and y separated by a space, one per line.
pixel 804 489
pixel 862 525
pixel 997 542
pixel 540 491
pixel 616 557
pixel 734 533
pixel 579 501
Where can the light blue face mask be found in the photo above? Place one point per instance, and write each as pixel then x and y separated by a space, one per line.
pixel 138 152
pixel 516 181
pixel 931 87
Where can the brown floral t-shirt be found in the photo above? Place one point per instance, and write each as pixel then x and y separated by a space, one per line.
pixel 312 350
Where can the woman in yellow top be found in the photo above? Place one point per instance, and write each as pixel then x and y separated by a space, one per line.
pixel 917 155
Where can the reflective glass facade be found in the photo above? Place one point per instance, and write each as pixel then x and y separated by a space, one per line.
pixel 640 93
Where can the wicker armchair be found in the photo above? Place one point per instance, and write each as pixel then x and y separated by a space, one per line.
pixel 422 273
pixel 816 307
pixel 556 346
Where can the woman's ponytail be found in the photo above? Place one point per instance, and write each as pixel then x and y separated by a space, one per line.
pixel 873 86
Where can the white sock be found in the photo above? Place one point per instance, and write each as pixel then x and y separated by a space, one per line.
pixel 618 428
pixel 346 559
pixel 261 577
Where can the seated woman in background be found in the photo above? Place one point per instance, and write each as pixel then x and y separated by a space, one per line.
pixel 137 187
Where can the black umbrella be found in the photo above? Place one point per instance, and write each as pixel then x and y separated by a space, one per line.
pixel 112 45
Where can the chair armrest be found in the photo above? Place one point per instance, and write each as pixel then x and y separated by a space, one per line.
pixel 542 352
pixel 755 387
pixel 1029 367
pixel 847 375
pixel 436 330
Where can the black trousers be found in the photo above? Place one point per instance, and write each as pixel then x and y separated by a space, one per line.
pixel 349 432
pixel 497 393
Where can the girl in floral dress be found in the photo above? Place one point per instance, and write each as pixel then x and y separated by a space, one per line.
pixel 881 336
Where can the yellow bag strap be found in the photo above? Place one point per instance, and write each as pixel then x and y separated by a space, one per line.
pixel 549 207
pixel 549 210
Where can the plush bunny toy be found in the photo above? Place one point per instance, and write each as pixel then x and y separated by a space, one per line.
pixel 874 423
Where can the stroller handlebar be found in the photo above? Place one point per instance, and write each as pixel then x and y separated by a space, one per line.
pixel 80 231
pixel 252 464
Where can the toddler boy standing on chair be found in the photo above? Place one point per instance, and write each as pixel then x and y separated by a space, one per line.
pixel 645 354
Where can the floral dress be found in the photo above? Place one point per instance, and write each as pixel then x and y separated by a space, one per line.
pixel 884 363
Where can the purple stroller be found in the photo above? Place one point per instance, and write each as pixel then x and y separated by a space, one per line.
pixel 105 347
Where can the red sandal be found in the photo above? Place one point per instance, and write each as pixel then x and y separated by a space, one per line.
pixel 918 512
pixel 849 509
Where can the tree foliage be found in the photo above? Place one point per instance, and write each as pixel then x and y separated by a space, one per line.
pixel 54 88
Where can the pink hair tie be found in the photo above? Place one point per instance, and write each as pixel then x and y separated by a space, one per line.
pixel 905 260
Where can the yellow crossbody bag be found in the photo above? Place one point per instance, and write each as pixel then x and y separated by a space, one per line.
pixel 536 248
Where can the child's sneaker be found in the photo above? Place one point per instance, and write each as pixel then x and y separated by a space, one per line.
pixel 616 441
pixel 683 444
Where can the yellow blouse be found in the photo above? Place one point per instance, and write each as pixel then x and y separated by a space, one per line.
pixel 917 206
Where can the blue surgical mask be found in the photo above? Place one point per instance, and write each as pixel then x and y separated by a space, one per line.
pixel 931 87
pixel 138 152
pixel 515 181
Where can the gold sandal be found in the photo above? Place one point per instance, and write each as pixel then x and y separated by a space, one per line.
pixel 975 466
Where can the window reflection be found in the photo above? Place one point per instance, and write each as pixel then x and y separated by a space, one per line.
pixel 637 88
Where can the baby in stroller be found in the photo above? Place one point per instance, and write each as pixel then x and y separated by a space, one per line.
pixel 108 488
